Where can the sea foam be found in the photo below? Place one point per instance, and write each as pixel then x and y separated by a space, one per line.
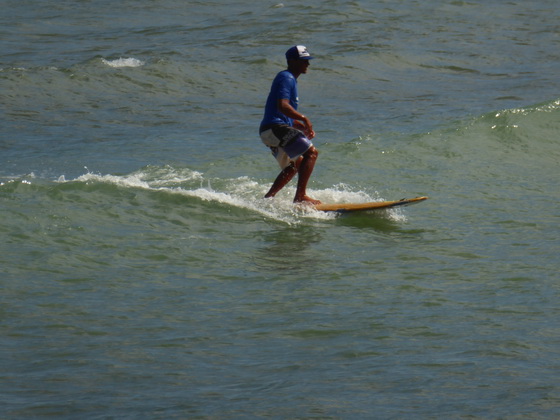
pixel 123 62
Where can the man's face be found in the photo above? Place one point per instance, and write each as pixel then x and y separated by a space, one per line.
pixel 302 65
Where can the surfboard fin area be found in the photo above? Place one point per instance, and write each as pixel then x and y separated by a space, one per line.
pixel 375 205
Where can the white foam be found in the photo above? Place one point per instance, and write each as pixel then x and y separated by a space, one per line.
pixel 150 178
pixel 248 194
pixel 242 192
pixel 123 62
pixel 342 193
pixel 132 180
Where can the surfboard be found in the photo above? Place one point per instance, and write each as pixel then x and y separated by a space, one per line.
pixel 375 205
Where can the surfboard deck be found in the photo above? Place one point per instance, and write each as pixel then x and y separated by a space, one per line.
pixel 375 205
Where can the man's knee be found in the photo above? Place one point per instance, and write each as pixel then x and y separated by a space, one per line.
pixel 312 153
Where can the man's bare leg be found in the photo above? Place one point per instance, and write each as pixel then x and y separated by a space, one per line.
pixel 304 173
pixel 283 178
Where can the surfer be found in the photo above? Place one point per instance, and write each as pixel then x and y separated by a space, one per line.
pixel 286 131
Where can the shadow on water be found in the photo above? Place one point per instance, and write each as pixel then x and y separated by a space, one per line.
pixel 378 220
pixel 293 250
pixel 289 250
pixel 378 223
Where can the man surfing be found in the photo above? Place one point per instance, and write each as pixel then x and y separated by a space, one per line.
pixel 286 131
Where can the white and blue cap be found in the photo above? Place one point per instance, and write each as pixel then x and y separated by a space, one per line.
pixel 298 52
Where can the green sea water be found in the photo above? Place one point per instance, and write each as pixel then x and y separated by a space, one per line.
pixel 143 275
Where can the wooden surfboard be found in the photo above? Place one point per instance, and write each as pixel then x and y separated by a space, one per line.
pixel 375 205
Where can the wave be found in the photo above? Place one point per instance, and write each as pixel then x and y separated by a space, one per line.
pixel 241 193
pixel 123 62
pixel 530 131
pixel 171 186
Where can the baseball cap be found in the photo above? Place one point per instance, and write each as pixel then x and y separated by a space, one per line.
pixel 298 52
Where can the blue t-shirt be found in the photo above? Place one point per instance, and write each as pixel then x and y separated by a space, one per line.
pixel 284 86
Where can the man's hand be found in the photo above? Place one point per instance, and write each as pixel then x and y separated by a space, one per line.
pixel 305 126
pixel 301 122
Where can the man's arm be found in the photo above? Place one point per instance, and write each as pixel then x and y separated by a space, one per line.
pixel 300 120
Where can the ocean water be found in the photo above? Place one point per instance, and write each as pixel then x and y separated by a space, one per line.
pixel 142 274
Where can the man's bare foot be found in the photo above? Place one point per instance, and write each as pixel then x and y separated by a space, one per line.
pixel 307 200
